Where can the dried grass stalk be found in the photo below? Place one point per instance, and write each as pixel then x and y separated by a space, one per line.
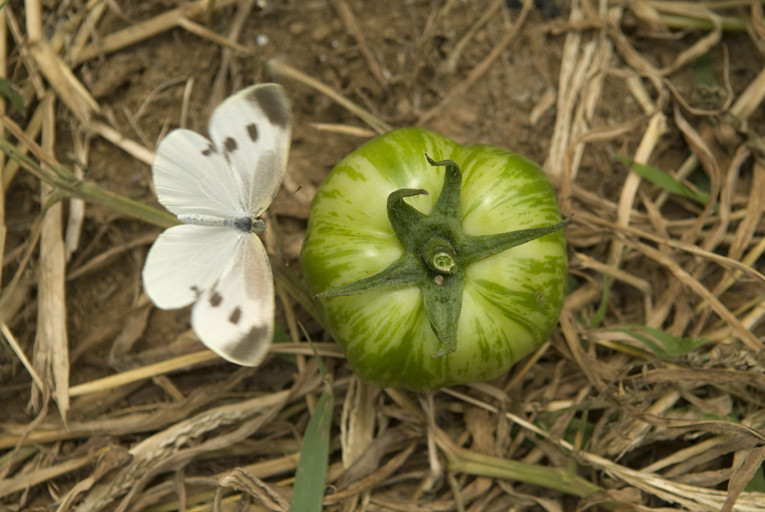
pixel 51 352
pixel 68 88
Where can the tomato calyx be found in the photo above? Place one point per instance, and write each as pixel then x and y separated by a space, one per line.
pixel 437 253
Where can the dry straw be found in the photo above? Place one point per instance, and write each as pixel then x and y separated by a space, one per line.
pixel 613 411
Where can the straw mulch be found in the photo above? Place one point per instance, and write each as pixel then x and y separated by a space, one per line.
pixel 110 404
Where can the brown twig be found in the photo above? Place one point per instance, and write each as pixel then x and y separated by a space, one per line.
pixel 345 13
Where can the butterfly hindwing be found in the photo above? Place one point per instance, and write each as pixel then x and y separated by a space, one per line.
pixel 185 261
pixel 234 316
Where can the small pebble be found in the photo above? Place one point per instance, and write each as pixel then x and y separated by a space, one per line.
pixel 321 32
pixel 297 28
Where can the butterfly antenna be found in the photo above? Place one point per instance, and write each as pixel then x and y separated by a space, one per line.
pixel 273 212
pixel 272 245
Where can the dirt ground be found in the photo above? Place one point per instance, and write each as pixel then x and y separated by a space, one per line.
pixel 675 85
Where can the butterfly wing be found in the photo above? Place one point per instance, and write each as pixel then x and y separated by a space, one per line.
pixel 185 261
pixel 252 130
pixel 192 177
pixel 227 273
pixel 234 317
pixel 239 171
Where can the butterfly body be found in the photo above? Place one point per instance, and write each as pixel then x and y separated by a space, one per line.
pixel 246 224
pixel 217 187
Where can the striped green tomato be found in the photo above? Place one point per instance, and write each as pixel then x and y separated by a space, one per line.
pixel 431 273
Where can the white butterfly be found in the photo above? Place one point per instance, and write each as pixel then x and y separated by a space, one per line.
pixel 218 187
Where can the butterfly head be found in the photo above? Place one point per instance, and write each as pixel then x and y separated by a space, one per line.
pixel 249 224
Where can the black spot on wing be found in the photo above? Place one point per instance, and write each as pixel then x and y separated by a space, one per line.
pixel 252 131
pixel 215 299
pixel 272 103
pixel 209 150
pixel 230 145
pixel 251 344
pixel 235 316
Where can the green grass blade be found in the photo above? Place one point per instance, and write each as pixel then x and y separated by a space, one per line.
pixel 703 74
pixel 311 475
pixel 67 184
pixel 11 94
pixel 665 181
pixel 600 313
pixel 757 483
pixel 662 343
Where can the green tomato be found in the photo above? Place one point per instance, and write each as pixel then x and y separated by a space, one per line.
pixel 434 295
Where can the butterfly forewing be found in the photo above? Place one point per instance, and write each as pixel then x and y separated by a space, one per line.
pixel 192 178
pixel 235 315
pixel 252 129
